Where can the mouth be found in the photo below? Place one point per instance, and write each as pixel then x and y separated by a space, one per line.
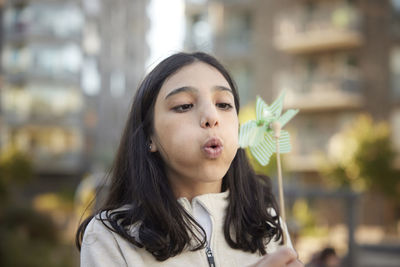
pixel 213 147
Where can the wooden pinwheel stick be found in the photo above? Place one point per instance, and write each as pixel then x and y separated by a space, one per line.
pixel 276 127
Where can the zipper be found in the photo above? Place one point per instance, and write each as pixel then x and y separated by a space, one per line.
pixel 210 257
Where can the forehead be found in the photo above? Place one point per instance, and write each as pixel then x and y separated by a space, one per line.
pixel 199 75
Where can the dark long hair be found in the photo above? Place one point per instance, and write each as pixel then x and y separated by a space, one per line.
pixel 138 179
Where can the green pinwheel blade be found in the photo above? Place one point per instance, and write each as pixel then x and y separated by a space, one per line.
pixel 258 135
pixel 250 134
pixel 284 142
pixel 287 116
pixel 264 150
pixel 261 107
pixel 277 106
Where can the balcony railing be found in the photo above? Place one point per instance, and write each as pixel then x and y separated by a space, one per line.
pixel 321 92
pixel 53 149
pixel 313 137
pixel 58 63
pixel 63 163
pixel 41 105
pixel 333 99
pixel 324 27
pixel 300 163
pixel 15 119
pixel 56 20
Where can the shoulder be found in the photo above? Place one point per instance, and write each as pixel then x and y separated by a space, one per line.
pixel 96 230
pixel 100 225
pixel 100 245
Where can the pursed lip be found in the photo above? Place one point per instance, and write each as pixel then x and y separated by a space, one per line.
pixel 213 147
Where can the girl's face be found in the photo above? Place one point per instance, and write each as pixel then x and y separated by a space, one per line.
pixel 195 127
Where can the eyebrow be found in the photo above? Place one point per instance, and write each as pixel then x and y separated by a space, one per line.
pixel 195 90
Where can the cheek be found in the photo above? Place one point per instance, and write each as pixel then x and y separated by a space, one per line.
pixel 231 129
pixel 174 136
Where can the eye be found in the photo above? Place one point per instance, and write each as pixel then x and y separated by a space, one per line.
pixel 182 108
pixel 224 106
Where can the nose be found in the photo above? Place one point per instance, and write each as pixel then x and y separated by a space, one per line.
pixel 209 117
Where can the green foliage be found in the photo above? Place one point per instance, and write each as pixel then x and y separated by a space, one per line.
pixel 305 216
pixel 361 157
pixel 15 168
pixel 28 238
pixel 268 170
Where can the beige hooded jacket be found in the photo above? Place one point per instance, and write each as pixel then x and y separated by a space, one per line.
pixel 102 247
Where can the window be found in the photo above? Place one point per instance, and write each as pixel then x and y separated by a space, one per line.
pixel 238 31
pixel 200 32
pixel 61 20
pixel 243 77
pixel 395 71
pixel 395 119
pixel 395 17
pixel 43 60
pixel 40 102
pixel 334 72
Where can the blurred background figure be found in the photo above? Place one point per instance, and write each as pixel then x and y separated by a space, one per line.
pixel 325 258
pixel 69 70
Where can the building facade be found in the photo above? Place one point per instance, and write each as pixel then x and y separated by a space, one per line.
pixel 335 59
pixel 115 53
pixel 41 98
pixel 70 69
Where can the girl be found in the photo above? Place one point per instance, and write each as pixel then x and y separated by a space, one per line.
pixel 182 191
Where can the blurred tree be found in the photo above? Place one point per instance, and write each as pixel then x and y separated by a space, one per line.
pixel 361 157
pixel 28 238
pixel 305 216
pixel 15 169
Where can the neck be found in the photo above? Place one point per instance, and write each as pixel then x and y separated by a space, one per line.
pixel 191 189
pixel 190 193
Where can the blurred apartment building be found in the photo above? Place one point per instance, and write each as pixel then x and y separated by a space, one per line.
pixel 1 70
pixel 69 71
pixel 42 104
pixel 115 53
pixel 334 58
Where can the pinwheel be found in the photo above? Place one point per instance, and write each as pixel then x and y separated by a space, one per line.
pixel 264 136
pixel 259 134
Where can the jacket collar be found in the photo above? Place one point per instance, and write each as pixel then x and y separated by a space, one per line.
pixel 214 203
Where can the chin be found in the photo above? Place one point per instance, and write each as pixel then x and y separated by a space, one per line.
pixel 213 174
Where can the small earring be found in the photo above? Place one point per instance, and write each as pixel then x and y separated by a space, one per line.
pixel 149 147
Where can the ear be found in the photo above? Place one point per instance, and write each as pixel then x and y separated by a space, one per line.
pixel 152 146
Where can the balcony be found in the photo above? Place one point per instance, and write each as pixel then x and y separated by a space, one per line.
pixel 318 40
pixel 54 149
pixel 42 63
pixel 18 38
pixel 2 130
pixel 326 26
pixel 13 119
pixel 68 163
pixel 314 138
pixel 321 92
pixel 323 100
pixel 395 130
pixel 43 22
pixel 46 79
pixel 42 105
pixel 298 163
